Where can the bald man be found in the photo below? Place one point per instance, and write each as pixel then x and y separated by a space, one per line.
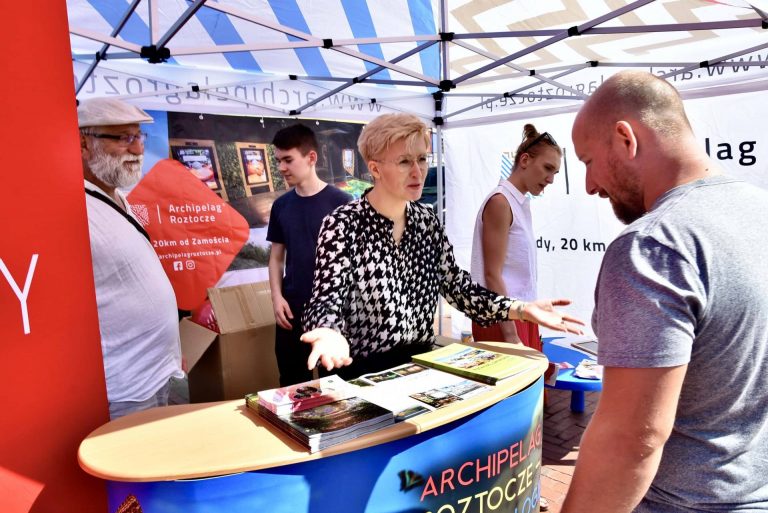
pixel 681 312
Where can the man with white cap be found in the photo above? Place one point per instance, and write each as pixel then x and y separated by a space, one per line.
pixel 138 317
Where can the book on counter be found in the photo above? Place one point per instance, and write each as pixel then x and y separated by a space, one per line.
pixel 302 396
pixel 329 411
pixel 328 424
pixel 473 362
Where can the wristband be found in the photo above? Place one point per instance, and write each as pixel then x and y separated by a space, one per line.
pixel 520 307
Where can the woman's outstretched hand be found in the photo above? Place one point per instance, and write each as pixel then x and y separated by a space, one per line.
pixel 329 347
pixel 542 311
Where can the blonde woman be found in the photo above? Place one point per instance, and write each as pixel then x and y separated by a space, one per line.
pixel 383 260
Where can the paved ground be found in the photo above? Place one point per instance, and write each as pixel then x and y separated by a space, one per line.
pixel 562 435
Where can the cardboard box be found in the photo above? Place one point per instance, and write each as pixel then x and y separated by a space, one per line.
pixel 240 359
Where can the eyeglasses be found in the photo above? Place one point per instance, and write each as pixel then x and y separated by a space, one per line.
pixel 405 163
pixel 537 140
pixel 123 139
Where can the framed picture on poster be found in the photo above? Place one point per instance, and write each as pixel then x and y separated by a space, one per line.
pixel 254 167
pixel 199 156
pixel 348 161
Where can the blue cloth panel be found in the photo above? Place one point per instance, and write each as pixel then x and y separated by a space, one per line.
pixel 223 32
pixel 289 14
pixel 135 30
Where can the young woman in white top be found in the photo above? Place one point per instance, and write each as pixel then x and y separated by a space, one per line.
pixel 504 248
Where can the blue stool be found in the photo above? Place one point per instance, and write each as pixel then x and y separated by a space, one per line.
pixel 565 378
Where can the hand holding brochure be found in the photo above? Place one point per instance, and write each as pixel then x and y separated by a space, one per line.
pixel 473 362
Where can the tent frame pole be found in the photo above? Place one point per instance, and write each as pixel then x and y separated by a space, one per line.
pixel 362 77
pixel 509 94
pixel 103 51
pixel 318 41
pixel 564 34
pixel 714 61
pixel 179 23
pixel 445 75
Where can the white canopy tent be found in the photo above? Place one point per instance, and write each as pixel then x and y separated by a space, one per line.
pixel 447 61
pixel 459 65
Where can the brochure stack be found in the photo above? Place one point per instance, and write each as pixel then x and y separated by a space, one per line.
pixel 328 424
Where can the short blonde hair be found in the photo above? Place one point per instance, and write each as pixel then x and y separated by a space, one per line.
pixel 385 130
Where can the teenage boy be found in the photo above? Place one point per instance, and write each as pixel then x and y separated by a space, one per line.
pixel 293 228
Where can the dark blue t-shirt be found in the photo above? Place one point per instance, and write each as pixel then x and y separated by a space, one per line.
pixel 295 222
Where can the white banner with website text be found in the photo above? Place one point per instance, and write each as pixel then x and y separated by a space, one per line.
pixel 182 89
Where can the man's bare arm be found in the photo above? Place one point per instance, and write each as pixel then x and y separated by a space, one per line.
pixel 621 448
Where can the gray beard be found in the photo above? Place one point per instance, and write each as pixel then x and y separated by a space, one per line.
pixel 111 170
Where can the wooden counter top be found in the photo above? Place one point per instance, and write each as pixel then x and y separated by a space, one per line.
pixel 214 439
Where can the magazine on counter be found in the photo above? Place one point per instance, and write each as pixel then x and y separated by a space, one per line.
pixel 436 398
pixel 329 424
pixel 302 396
pixel 412 389
pixel 473 362
pixel 368 403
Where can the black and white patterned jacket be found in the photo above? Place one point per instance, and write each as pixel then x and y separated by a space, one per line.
pixel 381 295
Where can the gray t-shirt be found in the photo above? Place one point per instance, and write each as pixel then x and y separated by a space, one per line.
pixel 688 284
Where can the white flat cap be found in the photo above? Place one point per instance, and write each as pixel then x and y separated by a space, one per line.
pixel 109 111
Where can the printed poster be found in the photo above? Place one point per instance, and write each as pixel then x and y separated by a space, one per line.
pixel 195 233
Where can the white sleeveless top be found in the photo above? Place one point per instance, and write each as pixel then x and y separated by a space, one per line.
pixel 519 272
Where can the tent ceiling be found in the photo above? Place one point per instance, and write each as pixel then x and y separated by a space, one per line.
pixel 490 57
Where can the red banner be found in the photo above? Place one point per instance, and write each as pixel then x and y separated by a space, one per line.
pixel 195 233
pixel 52 388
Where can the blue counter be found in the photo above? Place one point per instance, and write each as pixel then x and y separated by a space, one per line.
pixel 483 455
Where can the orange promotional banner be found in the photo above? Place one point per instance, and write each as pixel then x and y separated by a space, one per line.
pixel 195 233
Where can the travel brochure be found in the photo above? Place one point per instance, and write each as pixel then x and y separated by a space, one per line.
pixel 329 424
pixel 411 386
pixel 472 362
pixel 327 411
pixel 305 395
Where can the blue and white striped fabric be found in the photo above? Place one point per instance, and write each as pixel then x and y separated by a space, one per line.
pixel 506 165
pixel 331 19
pixel 526 67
